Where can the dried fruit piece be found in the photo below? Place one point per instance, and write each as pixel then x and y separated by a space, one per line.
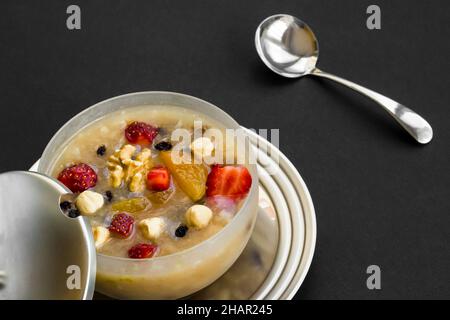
pixel 142 251
pixel 101 150
pixel 181 231
pixel 158 179
pixel 65 205
pixel 163 146
pixel 78 178
pixel 140 133
pixel 122 225
pixel 160 197
pixel 73 213
pixel 230 181
pixel 131 205
pixel 191 177
pixel 109 195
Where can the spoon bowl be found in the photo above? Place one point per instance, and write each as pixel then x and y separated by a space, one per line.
pixel 287 45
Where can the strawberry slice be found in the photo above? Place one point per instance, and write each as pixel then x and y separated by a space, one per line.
pixel 122 225
pixel 78 178
pixel 158 179
pixel 140 133
pixel 142 251
pixel 230 181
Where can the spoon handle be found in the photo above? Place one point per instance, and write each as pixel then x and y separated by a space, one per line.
pixel 416 126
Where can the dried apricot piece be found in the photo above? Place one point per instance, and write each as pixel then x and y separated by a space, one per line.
pixel 190 177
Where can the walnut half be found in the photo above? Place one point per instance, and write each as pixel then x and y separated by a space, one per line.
pixel 132 171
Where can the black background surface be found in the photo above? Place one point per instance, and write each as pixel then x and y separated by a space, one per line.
pixel 379 197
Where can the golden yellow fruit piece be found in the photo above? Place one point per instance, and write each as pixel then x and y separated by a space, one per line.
pixel 131 205
pixel 160 197
pixel 191 177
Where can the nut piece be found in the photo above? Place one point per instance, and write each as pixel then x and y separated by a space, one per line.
pixel 101 234
pixel 137 183
pixel 145 156
pixel 202 147
pixel 88 202
pixel 198 216
pixel 152 228
pixel 116 176
pixel 124 168
pixel 126 152
pixel 132 167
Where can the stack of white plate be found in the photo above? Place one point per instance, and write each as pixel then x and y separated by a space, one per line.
pixel 277 258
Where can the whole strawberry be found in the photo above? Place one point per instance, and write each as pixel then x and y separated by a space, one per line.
pixel 122 225
pixel 140 133
pixel 142 251
pixel 78 178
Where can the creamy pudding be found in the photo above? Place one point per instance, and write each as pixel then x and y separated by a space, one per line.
pixel 149 208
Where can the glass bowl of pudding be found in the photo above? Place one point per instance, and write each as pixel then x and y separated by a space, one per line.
pixel 168 184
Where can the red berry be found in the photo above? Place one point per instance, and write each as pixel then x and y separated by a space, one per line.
pixel 142 251
pixel 78 177
pixel 230 181
pixel 122 225
pixel 140 133
pixel 158 179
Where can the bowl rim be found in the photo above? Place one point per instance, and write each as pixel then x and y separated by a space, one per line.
pixel 253 192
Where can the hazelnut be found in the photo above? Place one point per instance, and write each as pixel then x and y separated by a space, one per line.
pixel 101 234
pixel 88 202
pixel 198 216
pixel 152 228
pixel 202 147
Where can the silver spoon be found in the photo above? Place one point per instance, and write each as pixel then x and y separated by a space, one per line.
pixel 289 47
